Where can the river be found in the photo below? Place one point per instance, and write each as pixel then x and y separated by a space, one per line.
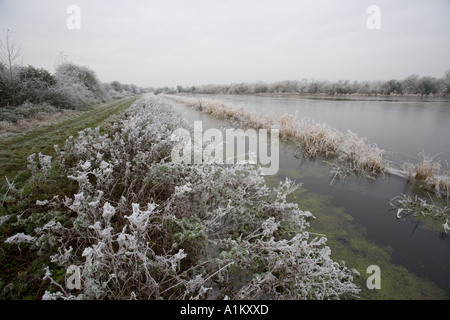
pixel 404 126
pixel 355 213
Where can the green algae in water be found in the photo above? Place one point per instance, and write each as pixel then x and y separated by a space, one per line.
pixel 349 244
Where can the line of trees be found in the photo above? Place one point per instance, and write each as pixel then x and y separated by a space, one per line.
pixel 70 87
pixel 411 85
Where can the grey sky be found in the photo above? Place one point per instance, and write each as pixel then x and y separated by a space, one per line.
pixel 192 42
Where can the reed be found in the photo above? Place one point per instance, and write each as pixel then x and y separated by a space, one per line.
pixel 430 174
pixel 351 152
pixel 361 155
pixel 220 110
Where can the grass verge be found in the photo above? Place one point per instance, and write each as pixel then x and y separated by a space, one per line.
pixel 15 148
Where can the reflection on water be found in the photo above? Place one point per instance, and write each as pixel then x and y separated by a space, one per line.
pixel 355 214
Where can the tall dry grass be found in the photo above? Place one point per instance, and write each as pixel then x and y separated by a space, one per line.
pixel 313 137
pixel 430 174
pixel 218 109
pixel 350 151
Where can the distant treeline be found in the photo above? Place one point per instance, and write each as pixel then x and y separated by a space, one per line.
pixel 411 85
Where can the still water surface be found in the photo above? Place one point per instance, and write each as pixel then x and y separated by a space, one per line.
pixel 355 214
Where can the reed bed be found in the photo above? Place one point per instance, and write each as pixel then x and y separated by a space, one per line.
pixel 415 205
pixel 138 226
pixel 313 138
pixel 351 153
pixel 219 110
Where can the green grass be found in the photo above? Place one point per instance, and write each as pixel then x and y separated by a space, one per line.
pixel 15 148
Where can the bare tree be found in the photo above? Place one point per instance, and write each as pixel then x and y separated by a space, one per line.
pixel 9 53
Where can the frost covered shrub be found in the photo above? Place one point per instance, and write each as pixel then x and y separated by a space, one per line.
pixel 67 94
pixel 33 85
pixel 218 109
pixel 75 87
pixel 141 227
pixel 8 115
pixel 29 110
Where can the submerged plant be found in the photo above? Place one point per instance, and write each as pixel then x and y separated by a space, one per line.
pixel 406 205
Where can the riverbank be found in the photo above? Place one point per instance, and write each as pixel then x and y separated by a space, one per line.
pixel 361 227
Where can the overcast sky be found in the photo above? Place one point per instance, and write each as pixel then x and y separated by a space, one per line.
pixel 184 42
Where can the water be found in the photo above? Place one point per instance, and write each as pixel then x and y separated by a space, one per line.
pixel 403 126
pixel 355 214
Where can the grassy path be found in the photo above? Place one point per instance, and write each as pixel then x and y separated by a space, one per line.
pixel 15 148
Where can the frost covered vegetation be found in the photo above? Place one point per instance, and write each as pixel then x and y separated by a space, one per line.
pixel 141 227
pixel 16 144
pixel 412 85
pixel 27 92
pixel 430 174
pixel 351 153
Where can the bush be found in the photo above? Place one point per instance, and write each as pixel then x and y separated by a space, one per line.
pixel 33 85
pixel 71 87
pixel 75 88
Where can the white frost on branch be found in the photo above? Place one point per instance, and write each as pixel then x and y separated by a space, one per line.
pixel 21 238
